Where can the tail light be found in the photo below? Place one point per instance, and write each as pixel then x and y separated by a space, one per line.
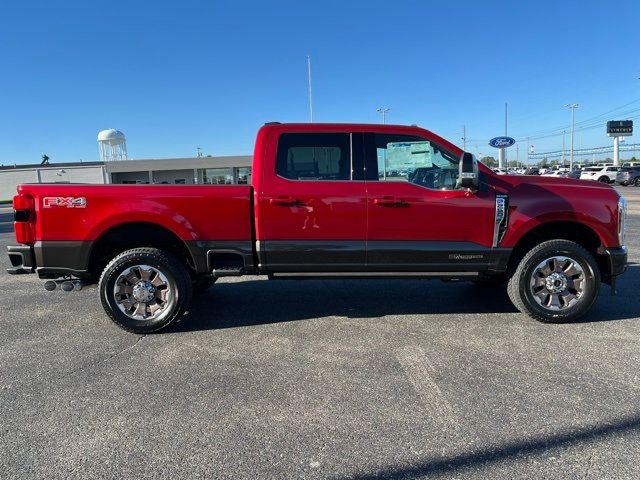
pixel 24 214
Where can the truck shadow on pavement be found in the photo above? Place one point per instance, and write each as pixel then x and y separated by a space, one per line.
pixel 257 302
pixel 518 450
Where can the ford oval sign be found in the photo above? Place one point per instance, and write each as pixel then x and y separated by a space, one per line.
pixel 502 142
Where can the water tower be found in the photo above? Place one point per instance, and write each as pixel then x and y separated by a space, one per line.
pixel 112 145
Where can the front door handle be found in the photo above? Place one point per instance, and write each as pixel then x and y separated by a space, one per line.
pixel 286 202
pixel 390 202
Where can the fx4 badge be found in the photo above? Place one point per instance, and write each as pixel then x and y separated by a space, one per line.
pixel 68 202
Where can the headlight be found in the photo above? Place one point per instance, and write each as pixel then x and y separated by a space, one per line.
pixel 622 216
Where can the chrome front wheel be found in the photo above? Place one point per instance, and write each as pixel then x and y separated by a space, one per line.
pixel 558 283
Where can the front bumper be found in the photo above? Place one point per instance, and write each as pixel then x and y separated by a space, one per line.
pixel 617 258
pixel 22 259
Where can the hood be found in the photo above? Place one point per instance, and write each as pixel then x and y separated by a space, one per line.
pixel 552 182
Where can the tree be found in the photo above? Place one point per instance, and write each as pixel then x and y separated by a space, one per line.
pixel 489 161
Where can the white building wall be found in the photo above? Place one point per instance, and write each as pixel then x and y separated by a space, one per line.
pixel 72 175
pixel 9 179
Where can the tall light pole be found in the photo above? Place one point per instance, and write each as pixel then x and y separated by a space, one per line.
pixel 563 133
pixel 383 111
pixel 573 107
pixel 310 97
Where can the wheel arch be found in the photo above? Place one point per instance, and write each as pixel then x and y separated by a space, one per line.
pixel 573 231
pixel 126 236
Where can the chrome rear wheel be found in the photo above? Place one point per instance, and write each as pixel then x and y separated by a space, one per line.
pixel 145 289
pixel 143 292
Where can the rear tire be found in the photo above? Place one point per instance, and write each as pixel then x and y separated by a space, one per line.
pixel 556 282
pixel 636 181
pixel 604 179
pixel 145 289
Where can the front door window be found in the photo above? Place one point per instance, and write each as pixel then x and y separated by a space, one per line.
pixel 411 159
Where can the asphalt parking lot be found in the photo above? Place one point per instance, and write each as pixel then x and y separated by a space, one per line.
pixel 321 379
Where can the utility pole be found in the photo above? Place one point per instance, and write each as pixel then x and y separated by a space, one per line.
pixel 563 159
pixel 383 111
pixel 310 98
pixel 573 107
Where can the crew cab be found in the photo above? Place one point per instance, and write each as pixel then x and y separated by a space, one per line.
pixel 326 201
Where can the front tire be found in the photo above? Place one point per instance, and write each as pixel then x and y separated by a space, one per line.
pixel 145 289
pixel 556 282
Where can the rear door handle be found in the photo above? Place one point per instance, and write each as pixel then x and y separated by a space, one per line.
pixel 286 202
pixel 390 202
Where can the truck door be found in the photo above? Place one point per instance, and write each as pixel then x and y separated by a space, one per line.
pixel 417 219
pixel 313 206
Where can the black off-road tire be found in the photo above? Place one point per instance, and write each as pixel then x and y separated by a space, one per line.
pixel 202 284
pixel 178 281
pixel 520 293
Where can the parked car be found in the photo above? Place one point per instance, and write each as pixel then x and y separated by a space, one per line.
pixel 501 171
pixel 317 207
pixel 554 173
pixel 532 171
pixel 628 176
pixel 600 174
pixel 573 174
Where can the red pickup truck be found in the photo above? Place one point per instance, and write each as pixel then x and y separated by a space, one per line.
pixel 327 200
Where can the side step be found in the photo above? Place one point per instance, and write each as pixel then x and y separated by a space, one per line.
pixel 227 272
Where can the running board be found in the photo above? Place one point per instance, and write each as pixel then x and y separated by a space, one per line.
pixel 370 275
pixel 227 272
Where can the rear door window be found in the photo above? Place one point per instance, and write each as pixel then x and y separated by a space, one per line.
pixel 314 156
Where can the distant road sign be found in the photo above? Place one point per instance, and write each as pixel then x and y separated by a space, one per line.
pixel 619 128
pixel 502 142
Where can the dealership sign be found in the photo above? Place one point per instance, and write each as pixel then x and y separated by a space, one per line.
pixel 618 128
pixel 502 142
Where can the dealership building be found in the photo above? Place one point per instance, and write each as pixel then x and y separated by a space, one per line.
pixel 195 170
pixel 115 167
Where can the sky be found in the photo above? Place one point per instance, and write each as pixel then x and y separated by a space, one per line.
pixel 174 76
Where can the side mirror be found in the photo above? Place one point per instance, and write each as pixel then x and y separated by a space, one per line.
pixel 468 172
